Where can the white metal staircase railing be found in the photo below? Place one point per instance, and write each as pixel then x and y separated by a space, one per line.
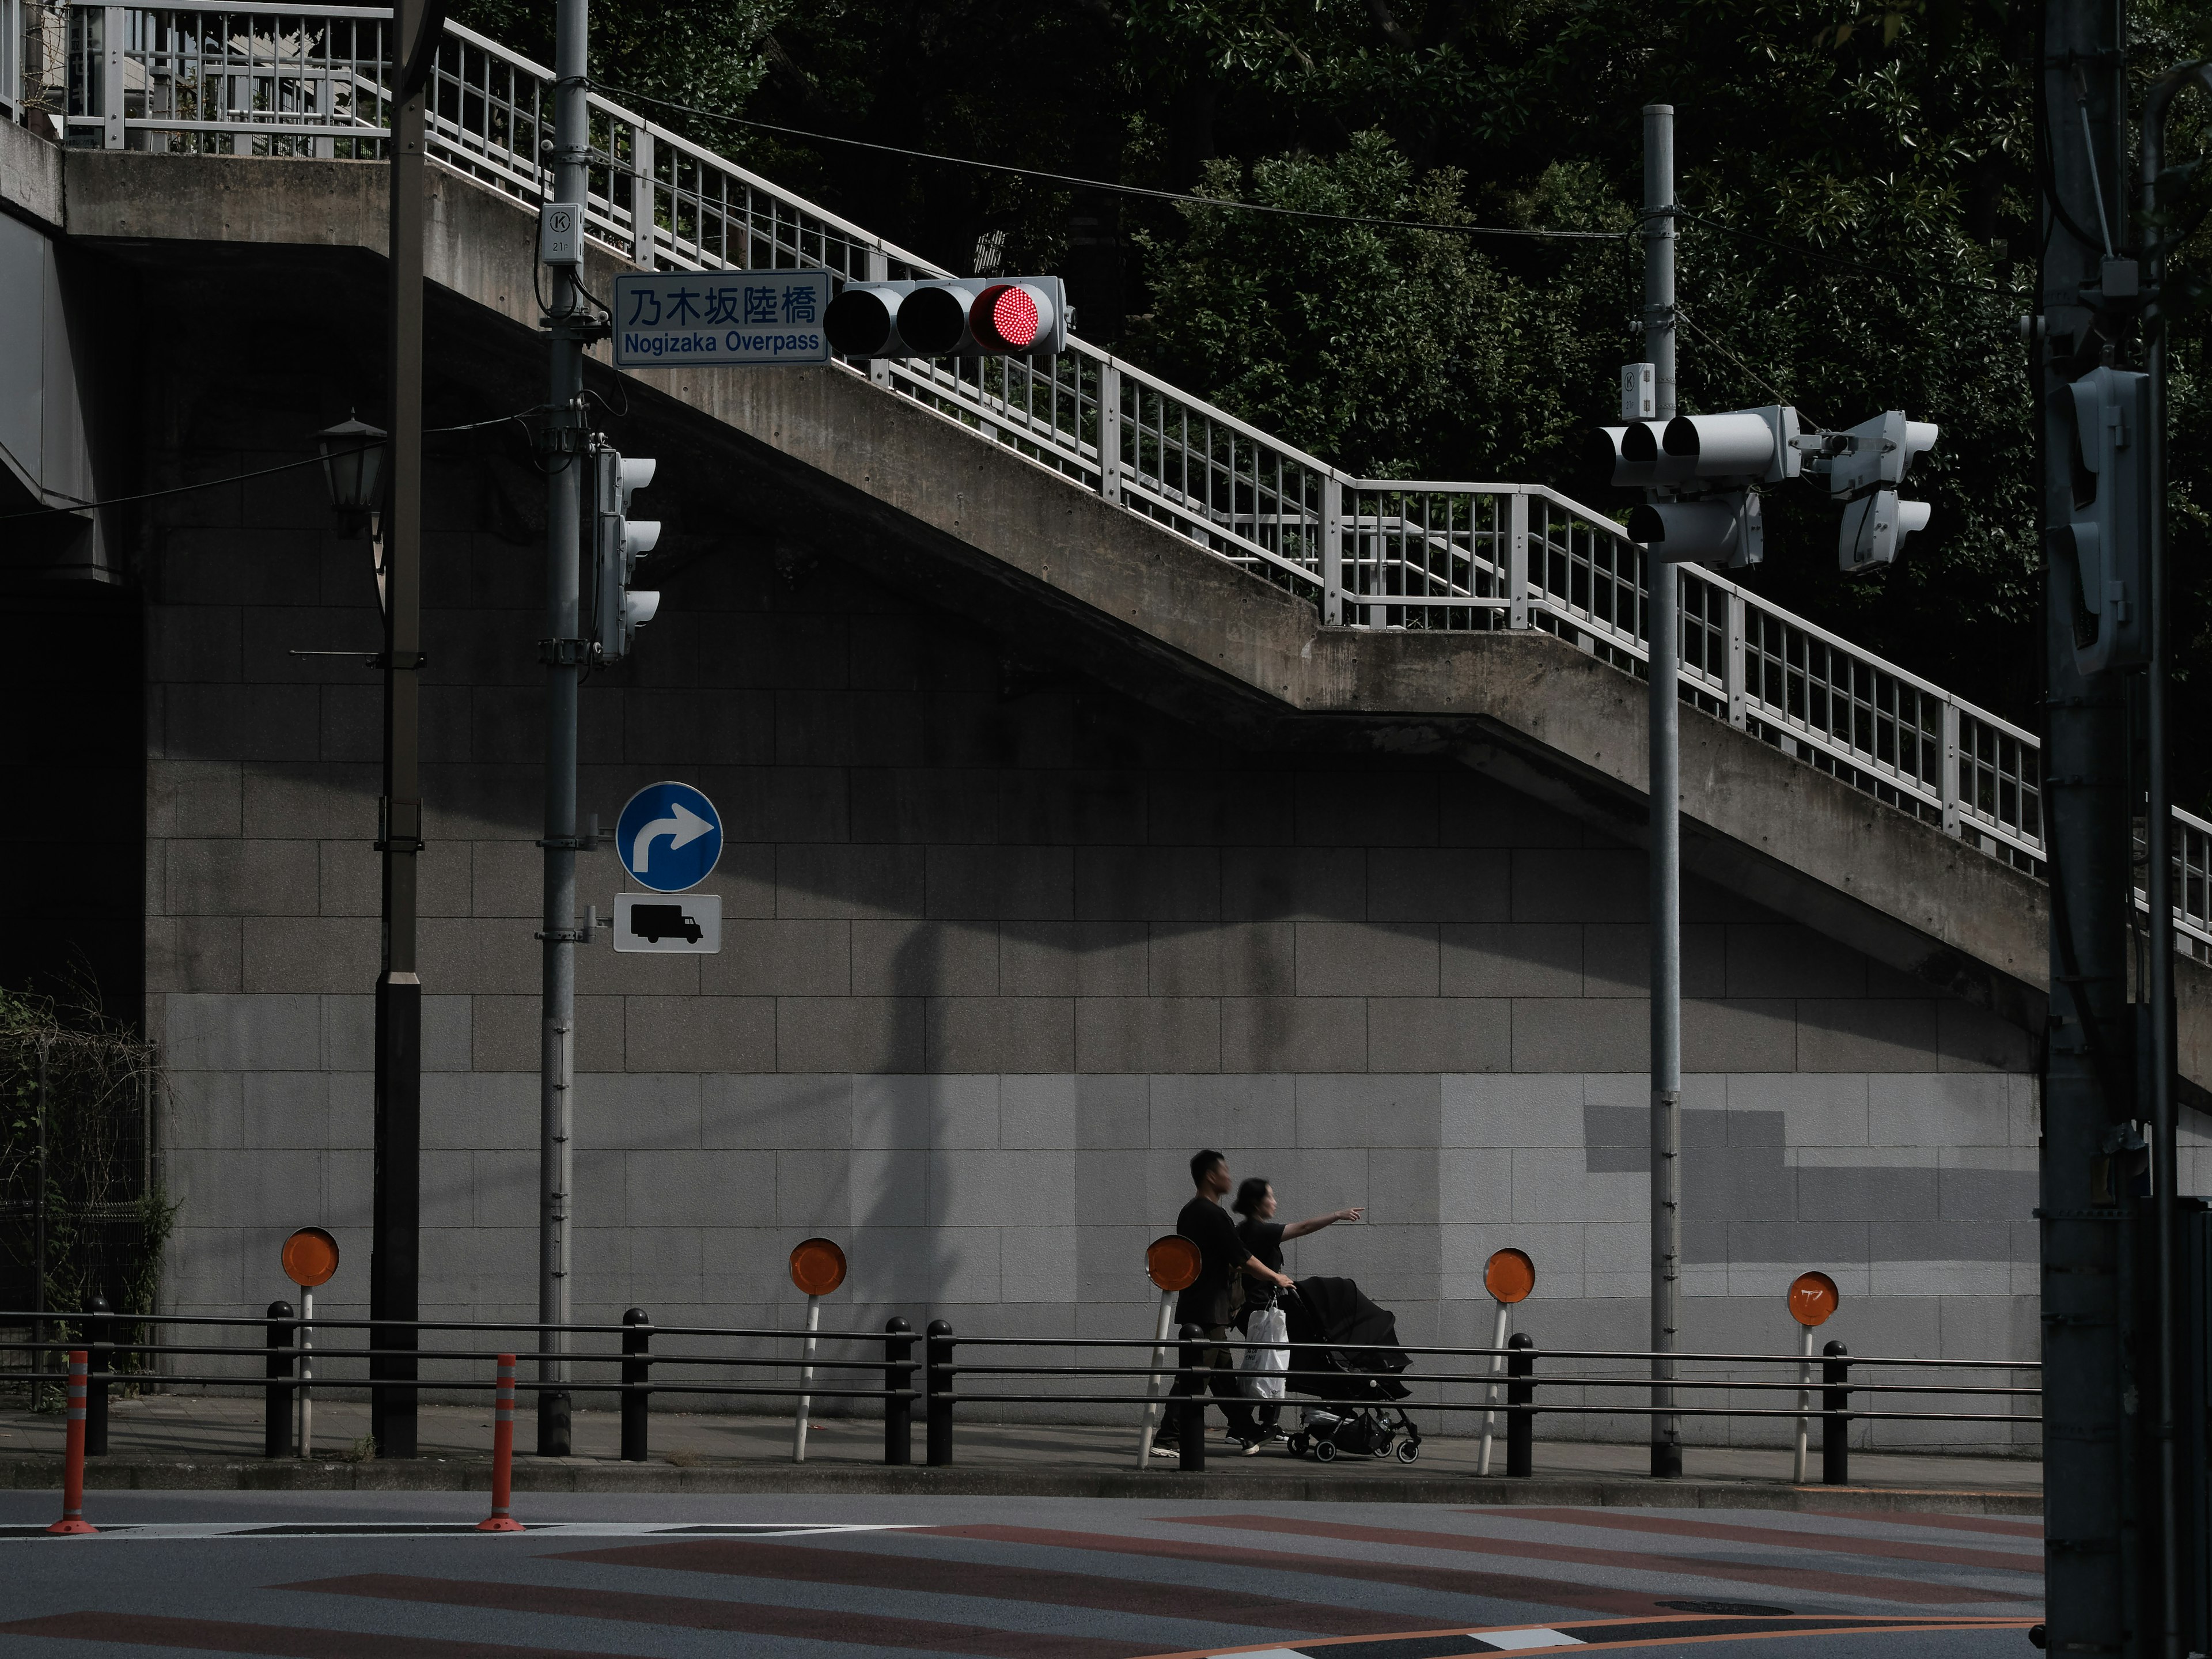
pixel 194 76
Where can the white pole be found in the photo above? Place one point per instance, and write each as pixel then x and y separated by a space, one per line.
pixel 307 1372
pixel 1152 1409
pixel 1497 1365
pixel 806 1376
pixel 1804 1403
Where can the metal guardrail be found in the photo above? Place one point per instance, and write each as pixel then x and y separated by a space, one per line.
pixel 758 1366
pixel 203 77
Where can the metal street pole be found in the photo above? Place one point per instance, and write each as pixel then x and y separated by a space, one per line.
pixel 1666 838
pixel 571 323
pixel 2180 1493
pixel 397 1202
pixel 2092 1549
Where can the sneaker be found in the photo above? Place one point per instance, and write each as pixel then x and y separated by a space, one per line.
pixel 1166 1448
pixel 1251 1447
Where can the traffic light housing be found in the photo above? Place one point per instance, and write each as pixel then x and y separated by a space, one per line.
pixel 618 541
pixel 1865 466
pixel 1723 529
pixel 954 317
pixel 1709 468
pixel 2104 548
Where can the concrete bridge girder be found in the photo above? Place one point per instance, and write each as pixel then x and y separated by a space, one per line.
pixel 825 455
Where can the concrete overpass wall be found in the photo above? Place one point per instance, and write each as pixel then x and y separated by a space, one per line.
pixel 1003 945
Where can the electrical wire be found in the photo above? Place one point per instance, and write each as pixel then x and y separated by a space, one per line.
pixel 1102 185
pixel 259 472
pixel 1682 315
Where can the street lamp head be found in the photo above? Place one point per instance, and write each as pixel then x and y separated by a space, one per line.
pixel 353 466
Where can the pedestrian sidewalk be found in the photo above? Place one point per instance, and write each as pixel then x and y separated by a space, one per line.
pixel 184 1440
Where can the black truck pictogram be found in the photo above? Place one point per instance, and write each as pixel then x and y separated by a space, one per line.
pixel 655 923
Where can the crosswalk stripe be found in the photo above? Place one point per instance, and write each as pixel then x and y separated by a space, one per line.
pixel 1781 1538
pixel 866 1630
pixel 283 1641
pixel 1864 1586
pixel 1000 1581
pixel 1454 1581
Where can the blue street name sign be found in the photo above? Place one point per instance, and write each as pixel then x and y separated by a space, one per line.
pixel 752 316
pixel 669 837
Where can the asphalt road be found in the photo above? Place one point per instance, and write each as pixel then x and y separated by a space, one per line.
pixel 819 1576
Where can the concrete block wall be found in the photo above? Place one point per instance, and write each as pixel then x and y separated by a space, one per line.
pixel 999 950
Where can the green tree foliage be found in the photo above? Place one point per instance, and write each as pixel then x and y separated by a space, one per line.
pixel 77 1087
pixel 1813 136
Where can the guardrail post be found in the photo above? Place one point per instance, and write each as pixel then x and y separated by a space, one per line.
pixel 1950 768
pixel 879 271
pixel 277 1402
pixel 643 242
pixel 636 1373
pixel 898 1382
pixel 937 1353
pixel 1520 1397
pixel 1835 1427
pixel 1109 432
pixel 1332 552
pixel 1734 674
pixel 1190 1414
pixel 99 1330
pixel 1517 564
pixel 111 75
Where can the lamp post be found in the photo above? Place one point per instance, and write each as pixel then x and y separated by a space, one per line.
pixel 353 468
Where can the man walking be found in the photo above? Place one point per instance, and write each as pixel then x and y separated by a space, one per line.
pixel 1222 1255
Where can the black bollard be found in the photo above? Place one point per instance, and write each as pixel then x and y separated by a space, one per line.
pixel 1835 1427
pixel 276 1405
pixel 898 1382
pixel 636 1373
pixel 1520 1426
pixel 1190 1418
pixel 937 1353
pixel 101 1329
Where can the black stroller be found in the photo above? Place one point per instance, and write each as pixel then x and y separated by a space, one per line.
pixel 1336 1332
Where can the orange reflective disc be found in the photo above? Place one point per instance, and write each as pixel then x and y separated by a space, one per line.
pixel 817 1266
pixel 1813 1297
pixel 311 1257
pixel 1509 1276
pixel 1173 1262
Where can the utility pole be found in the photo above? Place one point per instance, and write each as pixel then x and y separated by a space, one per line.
pixel 396 1203
pixel 571 323
pixel 2093 1409
pixel 2180 1486
pixel 1665 839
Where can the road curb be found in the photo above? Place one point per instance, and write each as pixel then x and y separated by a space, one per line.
pixel 1341 1485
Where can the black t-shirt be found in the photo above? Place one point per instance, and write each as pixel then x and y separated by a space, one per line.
pixel 1264 1240
pixel 1207 1225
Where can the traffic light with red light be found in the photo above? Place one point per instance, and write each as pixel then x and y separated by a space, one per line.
pixel 955 317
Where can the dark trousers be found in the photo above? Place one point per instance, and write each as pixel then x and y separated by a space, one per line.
pixel 1220 1363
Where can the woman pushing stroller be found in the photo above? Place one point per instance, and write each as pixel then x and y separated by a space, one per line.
pixel 1262 1320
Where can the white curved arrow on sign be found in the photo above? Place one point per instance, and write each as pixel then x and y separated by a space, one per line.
pixel 686 827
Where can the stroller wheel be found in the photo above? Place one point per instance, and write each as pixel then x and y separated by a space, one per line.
pixel 1325 1451
pixel 1299 1445
pixel 1409 1451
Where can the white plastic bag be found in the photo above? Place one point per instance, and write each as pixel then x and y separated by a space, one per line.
pixel 1265 1363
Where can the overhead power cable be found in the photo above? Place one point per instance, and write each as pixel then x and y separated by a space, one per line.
pixel 1131 190
pixel 240 477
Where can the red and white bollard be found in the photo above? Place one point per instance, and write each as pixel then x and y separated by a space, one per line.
pixel 502 1454
pixel 72 1524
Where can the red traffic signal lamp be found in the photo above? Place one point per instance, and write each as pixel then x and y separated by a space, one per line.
pixel 955 317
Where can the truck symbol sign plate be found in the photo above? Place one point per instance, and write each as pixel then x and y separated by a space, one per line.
pixel 669 837
pixel 687 924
